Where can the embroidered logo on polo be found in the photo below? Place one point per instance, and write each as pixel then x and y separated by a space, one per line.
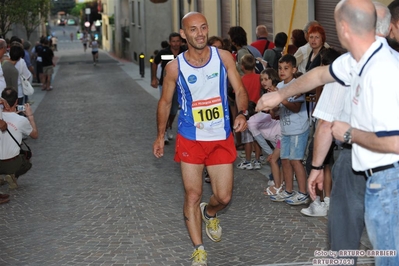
pixel 355 98
pixel 192 79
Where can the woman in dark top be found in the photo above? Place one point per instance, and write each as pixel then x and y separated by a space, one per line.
pixel 317 38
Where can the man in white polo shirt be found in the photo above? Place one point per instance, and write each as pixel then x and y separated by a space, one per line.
pixel 369 70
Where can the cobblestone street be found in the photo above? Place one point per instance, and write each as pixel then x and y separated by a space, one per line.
pixel 96 195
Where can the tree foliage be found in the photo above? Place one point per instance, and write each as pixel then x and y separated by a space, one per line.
pixel 76 11
pixel 8 15
pixel 32 13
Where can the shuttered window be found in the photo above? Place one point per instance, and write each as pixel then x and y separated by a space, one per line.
pixel 200 6
pixel 225 17
pixel 264 15
pixel 325 16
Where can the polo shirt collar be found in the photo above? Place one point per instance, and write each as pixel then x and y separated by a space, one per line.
pixel 373 49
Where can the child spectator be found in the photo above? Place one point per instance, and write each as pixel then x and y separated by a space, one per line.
pixel 294 137
pixel 267 131
pixel 215 41
pixel 251 82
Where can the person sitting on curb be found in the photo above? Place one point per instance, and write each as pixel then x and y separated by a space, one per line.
pixel 12 164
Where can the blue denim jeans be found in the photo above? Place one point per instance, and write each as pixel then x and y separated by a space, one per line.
pixel 382 213
pixel 293 146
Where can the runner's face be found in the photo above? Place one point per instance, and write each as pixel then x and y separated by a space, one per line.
pixel 196 31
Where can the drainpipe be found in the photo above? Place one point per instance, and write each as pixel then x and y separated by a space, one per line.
pixel 237 12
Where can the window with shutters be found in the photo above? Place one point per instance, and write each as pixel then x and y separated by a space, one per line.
pixel 264 15
pixel 200 5
pixel 225 17
pixel 325 16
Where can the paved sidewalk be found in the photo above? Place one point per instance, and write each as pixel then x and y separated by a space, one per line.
pixel 97 196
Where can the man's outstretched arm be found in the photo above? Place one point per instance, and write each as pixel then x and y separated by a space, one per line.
pixel 312 79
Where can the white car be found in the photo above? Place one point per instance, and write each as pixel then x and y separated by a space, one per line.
pixel 71 22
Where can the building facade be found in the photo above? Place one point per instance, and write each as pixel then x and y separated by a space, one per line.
pixel 141 25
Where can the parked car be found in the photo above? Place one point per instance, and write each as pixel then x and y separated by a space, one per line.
pixel 71 22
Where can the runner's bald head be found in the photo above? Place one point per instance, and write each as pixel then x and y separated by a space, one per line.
pixel 189 16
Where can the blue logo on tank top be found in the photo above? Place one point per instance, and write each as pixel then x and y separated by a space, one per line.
pixel 192 79
pixel 214 75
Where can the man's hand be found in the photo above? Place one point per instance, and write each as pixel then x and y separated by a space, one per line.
pixel 3 125
pixel 268 101
pixel 338 129
pixel 154 83
pixel 158 147
pixel 316 177
pixel 28 110
pixel 240 123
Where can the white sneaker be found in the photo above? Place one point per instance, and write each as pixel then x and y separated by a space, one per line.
pixel 257 165
pixel 169 133
pixel 298 199
pixel 315 209
pixel 245 165
pixel 263 159
pixel 282 196
pixel 166 139
pixel 327 202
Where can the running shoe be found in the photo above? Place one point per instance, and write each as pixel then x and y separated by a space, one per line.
pixel 282 196
pixel 199 257
pixel 212 225
pixel 298 199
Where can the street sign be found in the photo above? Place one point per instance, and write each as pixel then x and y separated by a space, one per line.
pixel 87 24
pixel 87 11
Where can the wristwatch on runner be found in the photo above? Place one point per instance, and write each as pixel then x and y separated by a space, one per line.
pixel 244 113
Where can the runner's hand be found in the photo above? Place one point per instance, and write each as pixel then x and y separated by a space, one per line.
pixel 158 147
pixel 240 123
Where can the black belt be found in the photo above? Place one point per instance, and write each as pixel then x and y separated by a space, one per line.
pixel 346 146
pixel 372 171
pixel 10 159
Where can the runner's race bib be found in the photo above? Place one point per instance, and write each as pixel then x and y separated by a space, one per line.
pixel 208 114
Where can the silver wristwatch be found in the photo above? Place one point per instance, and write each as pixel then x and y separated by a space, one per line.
pixel 348 136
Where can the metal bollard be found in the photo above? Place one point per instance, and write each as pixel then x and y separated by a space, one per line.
pixel 141 64
pixel 151 62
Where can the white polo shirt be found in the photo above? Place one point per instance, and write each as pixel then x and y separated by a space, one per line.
pixel 374 95
pixel 334 103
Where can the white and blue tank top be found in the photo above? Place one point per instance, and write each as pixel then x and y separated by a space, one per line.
pixel 202 95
